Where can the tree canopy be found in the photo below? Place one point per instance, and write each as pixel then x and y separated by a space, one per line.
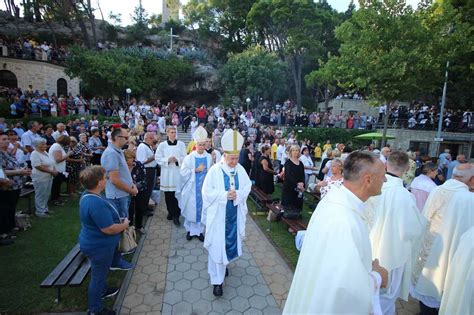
pixel 253 73
pixel 109 73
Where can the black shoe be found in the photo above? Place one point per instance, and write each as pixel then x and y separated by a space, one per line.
pixel 176 222
pixel 104 311
pixel 6 241
pixel 217 290
pixel 188 236
pixel 169 217
pixel 110 292
pixel 226 272
pixel 201 237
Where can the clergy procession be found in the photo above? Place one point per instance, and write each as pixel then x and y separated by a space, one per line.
pixel 371 240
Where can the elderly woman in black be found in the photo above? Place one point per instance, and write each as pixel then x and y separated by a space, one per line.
pixel 10 194
pixel 138 203
pixel 264 176
pixel 293 184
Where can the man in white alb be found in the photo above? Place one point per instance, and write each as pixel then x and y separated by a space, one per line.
pixel 193 172
pixel 335 273
pixel 170 155
pixel 449 211
pixel 396 227
pixel 224 194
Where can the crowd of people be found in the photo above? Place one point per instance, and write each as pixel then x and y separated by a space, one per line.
pixel 207 182
pixel 31 49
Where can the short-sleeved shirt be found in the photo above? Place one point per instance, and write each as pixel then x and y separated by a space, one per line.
pixel 38 159
pixel 97 213
pixel 61 166
pixel 27 140
pixel 113 159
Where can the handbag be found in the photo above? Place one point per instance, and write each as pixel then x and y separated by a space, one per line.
pixel 291 213
pixel 128 237
pixel 22 221
pixel 128 240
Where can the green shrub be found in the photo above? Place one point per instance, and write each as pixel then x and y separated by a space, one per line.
pixel 335 135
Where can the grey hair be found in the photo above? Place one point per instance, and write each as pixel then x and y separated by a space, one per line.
pixel 465 174
pixel 37 141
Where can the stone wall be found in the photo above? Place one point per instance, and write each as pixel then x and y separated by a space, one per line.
pixel 344 106
pixel 42 76
pixel 459 143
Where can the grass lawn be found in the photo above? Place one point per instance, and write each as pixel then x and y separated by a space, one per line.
pixel 34 255
pixel 282 239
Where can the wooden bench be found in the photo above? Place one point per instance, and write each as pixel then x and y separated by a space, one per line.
pixel 260 198
pixel 296 225
pixel 71 271
pixel 27 191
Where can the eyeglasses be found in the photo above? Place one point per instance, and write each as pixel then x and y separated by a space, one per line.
pixel 126 138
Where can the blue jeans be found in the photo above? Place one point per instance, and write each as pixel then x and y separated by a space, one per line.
pixel 101 259
pixel 121 204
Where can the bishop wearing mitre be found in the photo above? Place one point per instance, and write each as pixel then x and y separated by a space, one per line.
pixel 193 171
pixel 224 193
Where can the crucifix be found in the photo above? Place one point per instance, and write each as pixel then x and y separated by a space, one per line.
pixel 171 39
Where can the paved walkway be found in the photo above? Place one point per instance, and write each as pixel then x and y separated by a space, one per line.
pixel 171 276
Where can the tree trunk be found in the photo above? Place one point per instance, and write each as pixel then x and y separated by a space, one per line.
pixel 36 9
pixel 90 14
pixel 100 10
pixel 296 65
pixel 81 23
pixel 385 124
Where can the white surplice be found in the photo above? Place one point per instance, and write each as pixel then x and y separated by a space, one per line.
pixel 449 211
pixel 170 178
pixel 396 227
pixel 187 202
pixel 334 271
pixel 214 198
pixel 458 295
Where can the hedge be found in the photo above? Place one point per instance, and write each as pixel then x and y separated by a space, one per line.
pixel 335 135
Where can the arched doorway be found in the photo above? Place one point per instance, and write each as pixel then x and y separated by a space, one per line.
pixel 61 87
pixel 8 79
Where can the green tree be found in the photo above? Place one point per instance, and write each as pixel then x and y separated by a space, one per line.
pixel 253 73
pixel 137 31
pixel 387 49
pixel 110 72
pixel 298 30
pixel 221 21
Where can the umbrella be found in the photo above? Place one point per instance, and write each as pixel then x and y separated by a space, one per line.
pixel 373 136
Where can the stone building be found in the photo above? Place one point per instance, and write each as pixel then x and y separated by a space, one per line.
pixel 43 76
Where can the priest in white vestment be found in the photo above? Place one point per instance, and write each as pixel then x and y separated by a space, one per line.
pixel 170 155
pixel 449 211
pixel 458 295
pixel 224 193
pixel 335 273
pixel 396 227
pixel 193 171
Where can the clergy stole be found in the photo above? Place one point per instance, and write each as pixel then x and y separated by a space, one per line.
pixel 231 183
pixel 199 181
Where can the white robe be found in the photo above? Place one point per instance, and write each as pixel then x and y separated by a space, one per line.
pixel 187 201
pixel 396 228
pixel 214 198
pixel 421 187
pixel 449 211
pixel 334 271
pixel 458 296
pixel 170 178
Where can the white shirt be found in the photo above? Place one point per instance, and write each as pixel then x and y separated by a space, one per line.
pixel 27 140
pixel 144 152
pixel 307 162
pixel 61 166
pixel 38 159
pixel 56 134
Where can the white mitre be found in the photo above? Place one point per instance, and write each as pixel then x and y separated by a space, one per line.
pixel 232 141
pixel 200 135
